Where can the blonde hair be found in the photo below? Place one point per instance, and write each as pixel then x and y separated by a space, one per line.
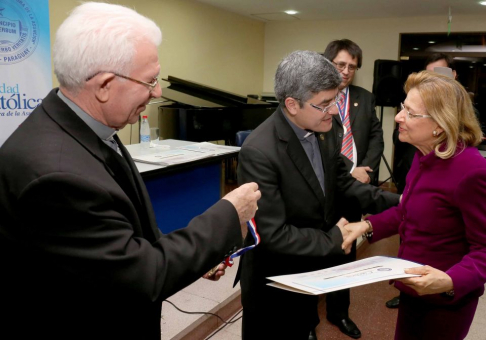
pixel 450 106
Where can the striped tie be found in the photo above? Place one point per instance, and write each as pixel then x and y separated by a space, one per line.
pixel 347 148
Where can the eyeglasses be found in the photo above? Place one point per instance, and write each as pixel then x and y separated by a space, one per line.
pixel 337 101
pixel 342 67
pixel 411 115
pixel 150 85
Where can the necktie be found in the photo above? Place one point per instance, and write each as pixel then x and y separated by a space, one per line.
pixel 347 147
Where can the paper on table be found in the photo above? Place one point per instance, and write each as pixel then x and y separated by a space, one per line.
pixel 183 154
pixel 170 157
pixel 206 147
pixel 358 273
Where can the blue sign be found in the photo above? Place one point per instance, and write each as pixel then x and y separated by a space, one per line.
pixel 25 60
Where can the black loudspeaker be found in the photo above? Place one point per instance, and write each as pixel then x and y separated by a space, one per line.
pixel 387 83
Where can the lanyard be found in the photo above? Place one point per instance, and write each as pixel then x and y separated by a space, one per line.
pixel 229 260
pixel 253 230
pixel 344 108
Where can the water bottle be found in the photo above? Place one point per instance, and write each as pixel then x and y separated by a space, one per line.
pixel 145 133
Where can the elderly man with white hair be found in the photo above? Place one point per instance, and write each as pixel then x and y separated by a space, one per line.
pixel 81 256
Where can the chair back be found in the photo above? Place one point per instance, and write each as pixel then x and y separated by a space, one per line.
pixel 241 136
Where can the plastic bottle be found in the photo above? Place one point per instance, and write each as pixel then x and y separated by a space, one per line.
pixel 144 133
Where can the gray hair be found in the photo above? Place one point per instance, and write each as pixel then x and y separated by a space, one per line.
pixel 99 37
pixel 302 74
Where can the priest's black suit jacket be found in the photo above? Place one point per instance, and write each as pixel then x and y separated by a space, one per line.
pixel 80 252
pixel 296 221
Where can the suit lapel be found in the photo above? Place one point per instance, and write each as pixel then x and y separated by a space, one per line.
pixel 336 119
pixel 329 145
pixel 148 217
pixel 118 167
pixel 353 105
pixel 297 155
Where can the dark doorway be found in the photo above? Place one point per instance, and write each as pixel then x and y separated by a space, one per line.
pixel 468 50
pixel 469 53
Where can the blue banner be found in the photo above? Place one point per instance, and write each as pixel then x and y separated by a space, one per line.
pixel 25 60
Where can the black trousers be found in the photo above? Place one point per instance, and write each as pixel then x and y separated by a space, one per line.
pixel 337 303
pixel 272 313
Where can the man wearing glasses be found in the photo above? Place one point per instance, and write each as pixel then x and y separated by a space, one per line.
pixel 80 251
pixel 358 130
pixel 300 174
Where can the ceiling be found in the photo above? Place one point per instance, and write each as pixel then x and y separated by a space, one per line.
pixel 273 10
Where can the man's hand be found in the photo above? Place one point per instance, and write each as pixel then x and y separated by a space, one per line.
pixel 432 281
pixel 354 230
pixel 341 225
pixel 244 199
pixel 215 273
pixel 361 173
pixel 244 230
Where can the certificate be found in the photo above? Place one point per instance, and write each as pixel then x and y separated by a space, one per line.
pixel 358 273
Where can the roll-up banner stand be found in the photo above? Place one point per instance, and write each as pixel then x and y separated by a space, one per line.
pixel 25 61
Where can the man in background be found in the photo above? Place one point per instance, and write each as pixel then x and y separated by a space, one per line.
pixel 440 60
pixel 406 151
pixel 80 251
pixel 300 173
pixel 444 60
pixel 360 135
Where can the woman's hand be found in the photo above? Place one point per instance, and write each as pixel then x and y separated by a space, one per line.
pixel 431 281
pixel 353 231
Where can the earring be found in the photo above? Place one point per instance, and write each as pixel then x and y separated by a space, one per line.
pixel 434 133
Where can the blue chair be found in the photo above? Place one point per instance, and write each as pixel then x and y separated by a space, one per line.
pixel 241 136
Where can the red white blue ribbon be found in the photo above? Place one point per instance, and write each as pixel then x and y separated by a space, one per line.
pixel 253 230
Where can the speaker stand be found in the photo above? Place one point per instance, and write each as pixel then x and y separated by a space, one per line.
pixel 384 159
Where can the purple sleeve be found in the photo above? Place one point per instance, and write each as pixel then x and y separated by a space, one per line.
pixel 470 273
pixel 386 224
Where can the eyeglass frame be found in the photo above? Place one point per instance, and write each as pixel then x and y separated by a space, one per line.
pixel 342 66
pixel 337 100
pixel 412 115
pixel 152 85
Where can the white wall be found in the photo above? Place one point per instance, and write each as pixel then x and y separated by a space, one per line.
pixel 200 43
pixel 238 54
pixel 378 38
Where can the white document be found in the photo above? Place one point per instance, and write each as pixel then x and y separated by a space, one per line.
pixel 170 157
pixel 182 154
pixel 358 273
pixel 214 149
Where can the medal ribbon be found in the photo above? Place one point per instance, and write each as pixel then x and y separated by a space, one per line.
pixel 253 230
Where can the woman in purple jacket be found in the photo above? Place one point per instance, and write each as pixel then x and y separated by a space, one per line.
pixel 442 215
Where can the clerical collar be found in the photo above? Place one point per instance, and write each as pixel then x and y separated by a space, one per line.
pixel 101 130
pixel 301 133
pixel 309 133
